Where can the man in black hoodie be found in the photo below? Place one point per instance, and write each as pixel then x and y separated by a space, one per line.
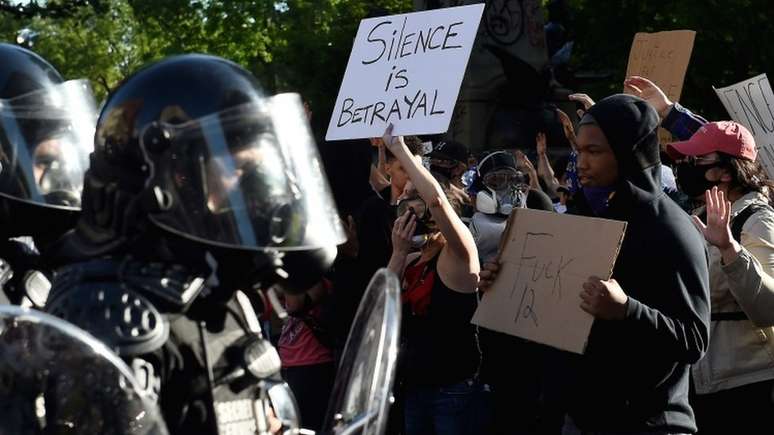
pixel 651 319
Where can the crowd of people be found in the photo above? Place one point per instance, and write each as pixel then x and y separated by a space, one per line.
pixel 146 217
pixel 681 331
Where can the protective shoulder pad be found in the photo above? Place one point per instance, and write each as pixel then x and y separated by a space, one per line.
pixel 113 312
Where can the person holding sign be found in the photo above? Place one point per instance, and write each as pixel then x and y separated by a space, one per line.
pixel 440 352
pixel 652 318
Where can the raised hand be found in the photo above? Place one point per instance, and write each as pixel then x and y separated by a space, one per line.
pixel 583 99
pixel 402 231
pixel 717 231
pixel 540 143
pixel 569 129
pixel 392 143
pixel 650 92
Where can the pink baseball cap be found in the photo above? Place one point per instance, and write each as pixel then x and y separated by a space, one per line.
pixel 727 137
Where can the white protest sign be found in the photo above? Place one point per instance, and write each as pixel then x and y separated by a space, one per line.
pixel 544 260
pixel 405 70
pixel 751 103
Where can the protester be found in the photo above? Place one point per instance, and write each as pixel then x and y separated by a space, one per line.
pixel 717 167
pixel 450 159
pixel 544 169
pixel 571 172
pixel 500 187
pixel 380 179
pixel 378 214
pixel 736 373
pixel 396 173
pixel 564 196
pixel 668 182
pixel 440 354
pixel 524 164
pixel 307 354
pixel 650 323
pixel 511 366
pixel 194 197
pixel 314 335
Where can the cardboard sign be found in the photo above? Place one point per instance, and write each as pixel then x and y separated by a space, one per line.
pixel 405 70
pixel 751 103
pixel 663 59
pixel 544 260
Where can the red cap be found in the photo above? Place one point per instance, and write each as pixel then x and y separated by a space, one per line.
pixel 727 137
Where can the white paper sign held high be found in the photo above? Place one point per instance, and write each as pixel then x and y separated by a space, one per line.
pixel 751 103
pixel 406 70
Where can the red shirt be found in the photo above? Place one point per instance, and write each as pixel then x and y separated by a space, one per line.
pixel 297 344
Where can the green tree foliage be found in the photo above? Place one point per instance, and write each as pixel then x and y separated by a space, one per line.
pixel 303 45
pixel 733 42
pixel 290 45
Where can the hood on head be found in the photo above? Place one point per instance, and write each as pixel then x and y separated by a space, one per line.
pixel 630 125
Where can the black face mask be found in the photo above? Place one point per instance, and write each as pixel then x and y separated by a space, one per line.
pixel 692 180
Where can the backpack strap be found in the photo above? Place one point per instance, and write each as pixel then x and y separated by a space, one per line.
pixel 738 222
pixel 736 231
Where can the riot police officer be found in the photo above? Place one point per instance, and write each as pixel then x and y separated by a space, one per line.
pixel 46 135
pixel 199 185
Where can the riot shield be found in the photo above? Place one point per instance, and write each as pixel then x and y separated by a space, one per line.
pixel 57 379
pixel 362 392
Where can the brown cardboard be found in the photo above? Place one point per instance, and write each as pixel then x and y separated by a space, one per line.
pixel 662 58
pixel 544 260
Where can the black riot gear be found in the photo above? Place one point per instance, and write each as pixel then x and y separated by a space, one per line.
pixel 200 185
pixel 194 145
pixel 46 134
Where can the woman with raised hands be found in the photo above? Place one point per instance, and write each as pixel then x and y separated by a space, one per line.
pixel 440 355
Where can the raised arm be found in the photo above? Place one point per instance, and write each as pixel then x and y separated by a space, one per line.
pixel 748 267
pixel 678 120
pixel 458 238
pixel 544 169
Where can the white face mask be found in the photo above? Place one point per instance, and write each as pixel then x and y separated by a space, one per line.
pixel 491 202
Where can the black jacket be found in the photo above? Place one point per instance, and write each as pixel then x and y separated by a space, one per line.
pixel 634 375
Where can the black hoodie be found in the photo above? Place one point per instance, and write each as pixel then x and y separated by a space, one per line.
pixel 634 375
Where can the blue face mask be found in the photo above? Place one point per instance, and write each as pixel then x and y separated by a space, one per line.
pixel 598 197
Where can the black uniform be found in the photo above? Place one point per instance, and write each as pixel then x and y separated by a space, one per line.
pixel 192 194
pixel 46 133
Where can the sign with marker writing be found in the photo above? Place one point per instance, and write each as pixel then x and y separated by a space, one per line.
pixel 544 260
pixel 405 70
pixel 662 58
pixel 751 103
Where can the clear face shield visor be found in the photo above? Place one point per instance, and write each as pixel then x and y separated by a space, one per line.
pixel 247 177
pixel 46 137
